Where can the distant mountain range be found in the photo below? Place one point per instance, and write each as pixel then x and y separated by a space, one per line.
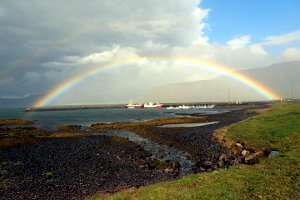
pixel 282 78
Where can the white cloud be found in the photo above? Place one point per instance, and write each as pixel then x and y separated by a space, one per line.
pixel 100 57
pixel 153 46
pixel 283 39
pixel 291 54
pixel 18 97
pixel 257 49
pixel 242 58
pixel 239 42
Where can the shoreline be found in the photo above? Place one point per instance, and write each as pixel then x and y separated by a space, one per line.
pixel 111 106
pixel 123 154
pixel 275 132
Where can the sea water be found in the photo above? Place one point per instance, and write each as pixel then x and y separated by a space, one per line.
pixel 49 120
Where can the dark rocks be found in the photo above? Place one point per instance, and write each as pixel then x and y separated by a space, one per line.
pixel 72 168
pixel 250 159
pixel 244 152
pixel 251 150
pixel 173 168
pixel 247 156
pixel 207 166
pixel 170 167
pixel 204 166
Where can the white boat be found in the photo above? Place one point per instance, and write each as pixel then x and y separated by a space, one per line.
pixel 191 107
pixel 184 107
pixel 153 105
pixel 134 105
pixel 206 106
pixel 180 107
pixel 171 107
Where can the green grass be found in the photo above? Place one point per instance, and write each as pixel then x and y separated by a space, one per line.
pixel 276 178
pixel 276 130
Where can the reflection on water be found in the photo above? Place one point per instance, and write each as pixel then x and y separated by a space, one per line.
pixel 186 125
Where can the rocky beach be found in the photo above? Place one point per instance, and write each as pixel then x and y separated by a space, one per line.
pixel 74 164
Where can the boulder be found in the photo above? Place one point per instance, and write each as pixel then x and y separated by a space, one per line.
pixel 251 150
pixel 215 167
pixel 223 157
pixel 220 164
pixel 250 159
pixel 201 169
pixel 244 152
pixel 207 164
pixel 238 145
pixel 274 154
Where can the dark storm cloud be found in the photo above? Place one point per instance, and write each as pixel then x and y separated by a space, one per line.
pixel 35 32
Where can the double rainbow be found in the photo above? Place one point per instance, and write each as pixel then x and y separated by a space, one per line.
pixel 238 76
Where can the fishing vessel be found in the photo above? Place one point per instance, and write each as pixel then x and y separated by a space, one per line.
pixel 153 105
pixel 134 105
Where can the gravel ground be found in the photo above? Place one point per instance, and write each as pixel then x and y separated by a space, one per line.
pixel 71 168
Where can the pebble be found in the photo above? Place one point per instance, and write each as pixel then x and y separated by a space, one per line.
pixel 239 145
pixel 80 166
pixel 244 152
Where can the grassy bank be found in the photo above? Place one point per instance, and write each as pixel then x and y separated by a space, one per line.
pixel 276 178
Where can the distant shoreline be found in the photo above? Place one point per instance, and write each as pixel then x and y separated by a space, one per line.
pixel 107 106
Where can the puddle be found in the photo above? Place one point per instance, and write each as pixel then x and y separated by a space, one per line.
pixel 186 125
pixel 162 152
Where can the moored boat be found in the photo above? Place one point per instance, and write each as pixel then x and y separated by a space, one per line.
pixel 153 105
pixel 134 105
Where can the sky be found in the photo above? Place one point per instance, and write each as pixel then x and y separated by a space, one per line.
pixel 44 43
pixel 257 18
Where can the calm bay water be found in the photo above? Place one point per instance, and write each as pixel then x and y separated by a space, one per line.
pixel 50 119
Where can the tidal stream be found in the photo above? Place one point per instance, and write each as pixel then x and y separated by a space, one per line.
pixel 161 152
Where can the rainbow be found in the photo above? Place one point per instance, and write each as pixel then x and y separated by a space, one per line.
pixel 70 83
